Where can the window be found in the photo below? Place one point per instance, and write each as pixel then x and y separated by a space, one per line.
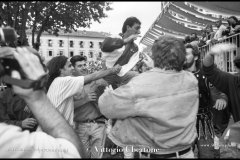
pixel 81 44
pixel 50 53
pixel 60 43
pixel 91 44
pixel 49 43
pixel 61 53
pixel 71 43
pixel 81 53
pixel 90 55
pixel 100 44
pixel 71 53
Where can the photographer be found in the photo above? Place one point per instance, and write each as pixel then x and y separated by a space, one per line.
pixel 59 141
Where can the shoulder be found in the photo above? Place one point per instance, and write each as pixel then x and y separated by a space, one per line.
pixel 42 144
pixel 67 79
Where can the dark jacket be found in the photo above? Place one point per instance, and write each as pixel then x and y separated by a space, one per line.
pixel 228 84
pixel 12 108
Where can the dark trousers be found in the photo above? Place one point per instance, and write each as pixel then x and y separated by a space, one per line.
pixel 205 147
pixel 220 120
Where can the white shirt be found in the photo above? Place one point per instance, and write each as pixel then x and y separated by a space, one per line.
pixel 61 93
pixel 15 143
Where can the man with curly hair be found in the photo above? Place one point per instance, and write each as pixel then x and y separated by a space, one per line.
pixel 156 110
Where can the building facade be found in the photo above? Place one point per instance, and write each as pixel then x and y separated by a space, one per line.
pixel 85 43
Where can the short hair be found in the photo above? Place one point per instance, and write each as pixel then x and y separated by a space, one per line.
pixel 187 39
pixel 169 53
pixel 129 22
pixel 194 48
pixel 77 58
pixel 196 53
pixel 233 17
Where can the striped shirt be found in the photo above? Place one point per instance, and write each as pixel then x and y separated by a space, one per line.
pixel 61 94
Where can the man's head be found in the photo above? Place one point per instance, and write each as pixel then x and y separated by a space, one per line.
pixel 192 56
pixel 168 53
pixel 59 66
pixel 232 21
pixel 218 23
pixel 193 36
pixel 131 26
pixel 80 65
pixel 209 28
pixel 187 39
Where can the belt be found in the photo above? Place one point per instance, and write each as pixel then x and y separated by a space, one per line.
pixel 97 120
pixel 170 155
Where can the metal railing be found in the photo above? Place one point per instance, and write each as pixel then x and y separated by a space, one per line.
pixel 224 61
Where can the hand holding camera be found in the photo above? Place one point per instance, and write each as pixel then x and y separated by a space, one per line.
pixel 32 68
pixel 21 61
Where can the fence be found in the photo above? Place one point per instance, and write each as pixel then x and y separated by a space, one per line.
pixel 225 61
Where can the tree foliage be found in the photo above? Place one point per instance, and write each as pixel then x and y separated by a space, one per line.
pixel 50 16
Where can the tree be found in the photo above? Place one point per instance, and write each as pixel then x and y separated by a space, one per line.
pixel 51 17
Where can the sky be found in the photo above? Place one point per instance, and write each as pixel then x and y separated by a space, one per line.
pixel 146 12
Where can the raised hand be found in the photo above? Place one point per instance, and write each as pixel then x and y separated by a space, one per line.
pixel 222 47
pixel 116 69
pixel 31 66
pixel 131 37
pixel 148 61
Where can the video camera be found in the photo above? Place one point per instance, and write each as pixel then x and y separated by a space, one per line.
pixel 8 63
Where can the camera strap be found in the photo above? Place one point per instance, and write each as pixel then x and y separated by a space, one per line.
pixel 27 84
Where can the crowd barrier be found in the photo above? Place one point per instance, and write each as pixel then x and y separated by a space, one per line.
pixel 224 61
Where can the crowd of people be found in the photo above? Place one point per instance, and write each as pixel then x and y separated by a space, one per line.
pixel 208 36
pixel 167 105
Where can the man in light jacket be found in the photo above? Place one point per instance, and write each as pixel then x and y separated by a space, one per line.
pixel 156 110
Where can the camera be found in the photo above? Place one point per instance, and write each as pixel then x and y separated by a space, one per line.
pixel 8 40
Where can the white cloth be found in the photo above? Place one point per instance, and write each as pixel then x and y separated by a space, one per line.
pixel 15 143
pixel 112 57
pixel 131 63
